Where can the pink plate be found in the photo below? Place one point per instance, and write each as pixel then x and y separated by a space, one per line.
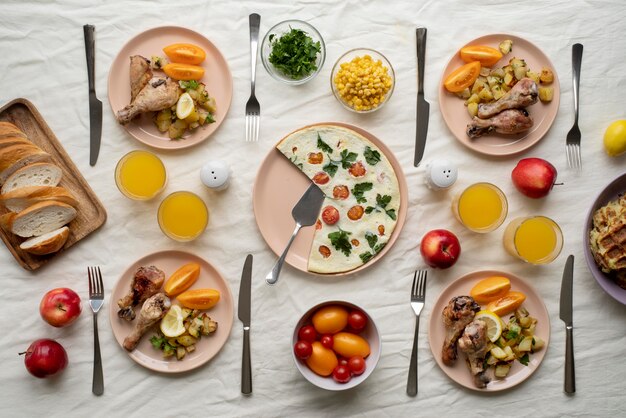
pixel 459 372
pixel 278 187
pixel 456 116
pixel 208 346
pixel 217 77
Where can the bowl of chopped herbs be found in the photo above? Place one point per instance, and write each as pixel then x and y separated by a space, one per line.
pixel 293 52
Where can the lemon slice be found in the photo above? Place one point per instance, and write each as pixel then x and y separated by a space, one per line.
pixel 494 324
pixel 185 106
pixel 172 323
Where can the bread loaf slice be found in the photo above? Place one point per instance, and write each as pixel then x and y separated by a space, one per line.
pixel 41 218
pixel 6 221
pixel 12 140
pixel 9 129
pixel 47 243
pixel 19 199
pixel 38 174
pixel 17 156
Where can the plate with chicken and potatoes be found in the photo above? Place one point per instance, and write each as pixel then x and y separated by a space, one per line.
pixel 458 323
pixel 145 94
pixel 499 94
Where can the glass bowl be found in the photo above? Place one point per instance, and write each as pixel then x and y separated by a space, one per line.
pixel 349 56
pixel 278 30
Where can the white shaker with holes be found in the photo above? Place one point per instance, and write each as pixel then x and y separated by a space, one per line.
pixel 440 174
pixel 215 175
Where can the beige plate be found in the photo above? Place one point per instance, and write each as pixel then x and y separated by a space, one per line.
pixel 278 187
pixel 217 77
pixel 456 116
pixel 459 372
pixel 207 347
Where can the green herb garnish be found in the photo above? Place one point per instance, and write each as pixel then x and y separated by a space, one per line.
pixel 359 189
pixel 294 53
pixel 347 158
pixel 340 241
pixel 524 359
pixel 381 205
pixel 371 156
pixel 323 145
pixel 188 85
pixel 365 257
pixel 330 168
pixel 371 238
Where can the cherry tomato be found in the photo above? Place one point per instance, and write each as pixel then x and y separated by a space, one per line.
pixel 357 320
pixel 330 215
pixel 381 230
pixel 343 362
pixel 303 349
pixel 323 361
pixel 347 344
pixel 318 224
pixel 324 250
pixel 341 192
pixel 356 365
pixel 327 341
pixel 341 374
pixel 356 212
pixel 307 333
pixel 357 169
pixel 463 77
pixel 355 242
pixel 486 55
pixel 330 319
pixel 315 157
pixel 321 178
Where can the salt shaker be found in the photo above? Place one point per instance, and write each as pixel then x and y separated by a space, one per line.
pixel 440 174
pixel 215 175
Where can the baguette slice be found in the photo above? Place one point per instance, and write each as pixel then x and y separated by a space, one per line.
pixel 38 174
pixel 6 220
pixel 19 199
pixel 41 218
pixel 47 243
pixel 8 141
pixel 17 156
pixel 8 129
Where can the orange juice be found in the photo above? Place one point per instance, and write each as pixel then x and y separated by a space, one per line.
pixel 481 207
pixel 140 175
pixel 183 216
pixel 536 239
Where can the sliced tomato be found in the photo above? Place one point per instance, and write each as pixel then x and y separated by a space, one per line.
pixel 341 192
pixel 324 251
pixel 330 215
pixel 357 169
pixel 356 212
pixel 486 55
pixel 185 53
pixel 315 157
pixel 321 178
pixel 463 77
pixel 318 224
pixel 183 71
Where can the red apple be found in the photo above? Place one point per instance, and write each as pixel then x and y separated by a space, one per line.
pixel 440 248
pixel 60 307
pixel 44 358
pixel 534 177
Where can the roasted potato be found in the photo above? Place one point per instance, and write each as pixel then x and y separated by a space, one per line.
pixel 547 76
pixel 546 94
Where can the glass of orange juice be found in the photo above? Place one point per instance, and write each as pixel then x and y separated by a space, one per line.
pixel 140 175
pixel 481 207
pixel 534 239
pixel 183 216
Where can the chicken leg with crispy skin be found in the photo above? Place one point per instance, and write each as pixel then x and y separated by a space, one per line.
pixel 158 94
pixel 457 314
pixel 512 121
pixel 146 282
pixel 140 74
pixel 524 93
pixel 475 344
pixel 151 312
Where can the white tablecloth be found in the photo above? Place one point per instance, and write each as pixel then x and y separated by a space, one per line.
pixel 43 59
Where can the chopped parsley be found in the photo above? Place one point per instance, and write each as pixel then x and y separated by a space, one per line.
pixel 371 238
pixel 347 158
pixel 330 168
pixel 365 257
pixel 359 189
pixel 381 205
pixel 294 53
pixel 188 85
pixel 160 343
pixel 323 145
pixel 341 242
pixel 371 156
pixel 524 359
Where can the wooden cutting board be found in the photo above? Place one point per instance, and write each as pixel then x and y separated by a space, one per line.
pixel 91 213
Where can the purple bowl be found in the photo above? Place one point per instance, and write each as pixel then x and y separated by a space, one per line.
pixel 610 192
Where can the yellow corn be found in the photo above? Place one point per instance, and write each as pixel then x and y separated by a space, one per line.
pixel 363 83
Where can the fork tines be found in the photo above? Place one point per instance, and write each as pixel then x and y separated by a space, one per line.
pixel 573 156
pixel 419 284
pixel 252 125
pixel 96 287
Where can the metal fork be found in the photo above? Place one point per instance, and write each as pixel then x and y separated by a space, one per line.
pixel 96 300
pixel 418 297
pixel 573 136
pixel 253 109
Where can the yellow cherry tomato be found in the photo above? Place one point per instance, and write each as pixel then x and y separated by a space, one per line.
pixel 330 319
pixel 322 360
pixel 349 345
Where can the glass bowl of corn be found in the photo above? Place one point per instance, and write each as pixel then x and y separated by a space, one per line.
pixel 362 80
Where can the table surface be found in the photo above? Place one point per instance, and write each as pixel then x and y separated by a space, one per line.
pixel 43 60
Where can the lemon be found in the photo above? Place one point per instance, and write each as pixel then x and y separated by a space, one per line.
pixel 494 324
pixel 172 323
pixel 615 138
pixel 185 106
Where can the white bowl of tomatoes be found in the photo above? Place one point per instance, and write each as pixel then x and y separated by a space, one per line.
pixel 336 345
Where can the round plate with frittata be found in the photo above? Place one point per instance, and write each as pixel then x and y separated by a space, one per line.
pixel 365 205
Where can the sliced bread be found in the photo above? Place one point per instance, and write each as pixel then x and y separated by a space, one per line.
pixel 9 129
pixel 17 156
pixel 47 243
pixel 19 199
pixel 41 218
pixel 8 141
pixel 38 174
pixel 6 221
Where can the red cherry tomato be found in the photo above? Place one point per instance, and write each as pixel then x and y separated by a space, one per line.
pixel 307 333
pixel 321 178
pixel 357 320
pixel 343 362
pixel 330 215
pixel 303 349
pixel 341 192
pixel 341 374
pixel 327 341
pixel 356 365
pixel 357 169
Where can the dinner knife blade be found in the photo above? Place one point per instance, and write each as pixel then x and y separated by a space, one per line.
pixel 245 292
pixel 565 311
pixel 95 105
pixel 423 107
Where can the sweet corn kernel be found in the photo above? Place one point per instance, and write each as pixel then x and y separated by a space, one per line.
pixel 363 83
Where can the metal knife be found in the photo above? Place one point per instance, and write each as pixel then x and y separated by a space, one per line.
pixel 95 105
pixel 565 313
pixel 244 316
pixel 423 108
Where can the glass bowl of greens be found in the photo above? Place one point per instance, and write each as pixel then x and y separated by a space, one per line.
pixel 293 52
